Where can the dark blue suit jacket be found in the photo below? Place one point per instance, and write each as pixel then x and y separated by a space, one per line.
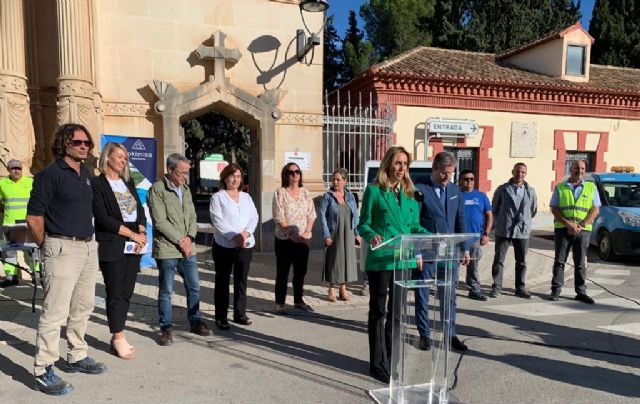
pixel 433 217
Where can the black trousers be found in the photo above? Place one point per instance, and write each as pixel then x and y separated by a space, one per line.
pixel 119 281
pixel 578 244
pixel 237 260
pixel 380 285
pixel 288 253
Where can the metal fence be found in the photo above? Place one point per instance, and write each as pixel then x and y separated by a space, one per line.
pixel 352 134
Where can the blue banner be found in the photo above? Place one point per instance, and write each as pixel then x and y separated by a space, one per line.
pixel 142 165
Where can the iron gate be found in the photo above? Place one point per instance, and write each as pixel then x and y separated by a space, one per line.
pixel 467 159
pixel 353 134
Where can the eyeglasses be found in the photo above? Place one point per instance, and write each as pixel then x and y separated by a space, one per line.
pixel 181 172
pixel 78 143
pixel 294 172
pixel 468 179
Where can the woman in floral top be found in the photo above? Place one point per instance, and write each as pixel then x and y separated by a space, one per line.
pixel 294 213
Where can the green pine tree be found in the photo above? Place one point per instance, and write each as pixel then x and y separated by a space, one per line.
pixel 357 53
pixel 395 26
pixel 332 57
pixel 615 26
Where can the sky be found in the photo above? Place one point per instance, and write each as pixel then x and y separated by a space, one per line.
pixel 340 8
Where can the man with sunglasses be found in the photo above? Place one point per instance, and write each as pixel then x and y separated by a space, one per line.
pixel 479 219
pixel 60 217
pixel 14 195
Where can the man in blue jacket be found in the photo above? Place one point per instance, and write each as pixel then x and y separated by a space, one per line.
pixel 441 212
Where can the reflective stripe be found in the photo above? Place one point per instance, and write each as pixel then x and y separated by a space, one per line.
pixel 14 207
pixel 580 208
pixel 9 200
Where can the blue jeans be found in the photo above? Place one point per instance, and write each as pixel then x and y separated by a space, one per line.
pixel 422 297
pixel 188 270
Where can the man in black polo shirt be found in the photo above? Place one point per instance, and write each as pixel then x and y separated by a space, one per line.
pixel 60 217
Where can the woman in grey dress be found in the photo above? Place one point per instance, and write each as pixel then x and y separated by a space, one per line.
pixel 339 217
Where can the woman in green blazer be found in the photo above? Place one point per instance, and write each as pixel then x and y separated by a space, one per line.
pixel 388 209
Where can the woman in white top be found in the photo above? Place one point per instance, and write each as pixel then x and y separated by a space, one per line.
pixel 234 218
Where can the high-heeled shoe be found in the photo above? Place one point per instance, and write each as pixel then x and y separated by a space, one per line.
pixel 344 295
pixel 122 349
pixel 331 296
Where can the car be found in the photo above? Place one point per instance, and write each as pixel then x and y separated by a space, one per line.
pixel 418 170
pixel 616 230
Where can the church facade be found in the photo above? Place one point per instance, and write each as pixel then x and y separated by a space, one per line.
pixel 142 68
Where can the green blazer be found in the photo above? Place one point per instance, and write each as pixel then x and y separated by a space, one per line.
pixel 381 215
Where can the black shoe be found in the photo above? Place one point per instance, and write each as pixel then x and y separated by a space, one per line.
pixel 222 325
pixel 458 345
pixel 201 329
pixel 86 365
pixel 477 296
pixel 523 294
pixel 583 297
pixel 380 376
pixel 495 293
pixel 424 344
pixel 10 281
pixel 554 296
pixel 51 384
pixel 166 337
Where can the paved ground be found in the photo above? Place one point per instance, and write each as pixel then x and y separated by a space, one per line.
pixel 521 351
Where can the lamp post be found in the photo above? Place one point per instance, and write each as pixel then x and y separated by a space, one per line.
pixel 305 44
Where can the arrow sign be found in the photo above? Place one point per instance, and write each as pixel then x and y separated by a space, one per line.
pixel 452 127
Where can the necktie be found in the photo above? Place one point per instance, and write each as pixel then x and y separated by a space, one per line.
pixel 442 197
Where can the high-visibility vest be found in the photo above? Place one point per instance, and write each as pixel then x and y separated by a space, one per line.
pixel 572 210
pixel 15 197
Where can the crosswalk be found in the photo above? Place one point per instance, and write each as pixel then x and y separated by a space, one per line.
pixel 568 306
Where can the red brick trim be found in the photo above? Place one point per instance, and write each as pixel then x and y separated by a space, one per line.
pixel 484 161
pixel 603 146
pixel 561 156
pixel 437 145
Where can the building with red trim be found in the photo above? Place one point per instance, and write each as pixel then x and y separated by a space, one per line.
pixel 542 103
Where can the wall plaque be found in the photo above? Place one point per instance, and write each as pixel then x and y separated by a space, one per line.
pixel 524 139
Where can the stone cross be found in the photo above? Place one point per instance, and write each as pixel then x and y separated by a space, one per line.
pixel 221 56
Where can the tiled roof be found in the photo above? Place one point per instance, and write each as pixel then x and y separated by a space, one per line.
pixel 436 63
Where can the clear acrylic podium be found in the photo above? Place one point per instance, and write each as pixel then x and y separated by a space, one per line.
pixel 421 376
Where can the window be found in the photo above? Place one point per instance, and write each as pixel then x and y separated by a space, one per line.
pixel 575 60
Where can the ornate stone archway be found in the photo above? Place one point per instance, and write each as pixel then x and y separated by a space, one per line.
pixel 218 93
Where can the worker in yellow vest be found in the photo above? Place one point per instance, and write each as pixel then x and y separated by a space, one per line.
pixel 575 204
pixel 14 195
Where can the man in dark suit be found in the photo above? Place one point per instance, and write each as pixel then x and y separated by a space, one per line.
pixel 441 212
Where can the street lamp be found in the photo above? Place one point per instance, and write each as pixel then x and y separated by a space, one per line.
pixel 304 44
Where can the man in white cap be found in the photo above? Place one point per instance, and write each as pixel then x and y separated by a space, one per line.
pixel 14 195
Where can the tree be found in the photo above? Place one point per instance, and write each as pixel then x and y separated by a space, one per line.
pixel 497 25
pixel 357 53
pixel 395 26
pixel 615 26
pixel 448 23
pixel 332 57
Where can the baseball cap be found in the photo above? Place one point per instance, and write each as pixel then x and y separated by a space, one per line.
pixel 13 163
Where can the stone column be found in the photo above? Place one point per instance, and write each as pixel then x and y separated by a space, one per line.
pixel 17 139
pixel 75 82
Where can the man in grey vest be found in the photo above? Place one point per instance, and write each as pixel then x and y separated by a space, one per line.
pixel 514 205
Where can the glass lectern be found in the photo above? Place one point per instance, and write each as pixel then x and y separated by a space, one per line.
pixel 419 376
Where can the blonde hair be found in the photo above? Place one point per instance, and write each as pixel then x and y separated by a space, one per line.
pixel 382 179
pixel 104 156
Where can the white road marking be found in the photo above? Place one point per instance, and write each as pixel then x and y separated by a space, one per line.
pixel 612 272
pixel 607 281
pixel 629 328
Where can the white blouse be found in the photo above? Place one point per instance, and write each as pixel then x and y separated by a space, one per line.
pixel 230 218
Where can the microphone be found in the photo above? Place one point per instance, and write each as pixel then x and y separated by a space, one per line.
pixel 418 196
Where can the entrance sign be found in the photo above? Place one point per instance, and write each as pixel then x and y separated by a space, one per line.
pixel 452 127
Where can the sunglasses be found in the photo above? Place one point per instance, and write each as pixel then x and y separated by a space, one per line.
pixel 16 168
pixel 78 143
pixel 468 179
pixel 294 172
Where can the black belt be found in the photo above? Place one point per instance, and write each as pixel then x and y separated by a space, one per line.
pixel 70 238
